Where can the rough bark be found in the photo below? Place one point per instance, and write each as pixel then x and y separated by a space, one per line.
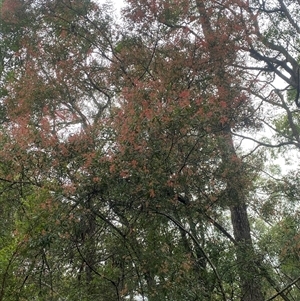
pixel 247 264
pixel 247 267
pixel 249 277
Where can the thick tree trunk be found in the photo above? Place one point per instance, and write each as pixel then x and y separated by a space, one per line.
pixel 246 259
pixel 250 280
pixel 235 179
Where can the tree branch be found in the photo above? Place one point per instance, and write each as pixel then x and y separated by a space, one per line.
pixel 195 240
pixel 284 289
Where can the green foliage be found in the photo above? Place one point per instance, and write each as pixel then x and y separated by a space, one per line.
pixel 120 175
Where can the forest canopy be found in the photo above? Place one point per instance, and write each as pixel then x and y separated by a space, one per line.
pixel 139 152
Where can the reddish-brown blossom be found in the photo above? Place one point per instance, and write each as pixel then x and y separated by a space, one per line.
pixel 10 11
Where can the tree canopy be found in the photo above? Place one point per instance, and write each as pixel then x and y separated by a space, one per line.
pixel 139 153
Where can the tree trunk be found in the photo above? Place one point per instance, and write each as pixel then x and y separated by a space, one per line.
pixel 235 179
pixel 246 258
pixel 250 279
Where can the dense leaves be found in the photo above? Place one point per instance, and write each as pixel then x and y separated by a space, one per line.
pixel 124 174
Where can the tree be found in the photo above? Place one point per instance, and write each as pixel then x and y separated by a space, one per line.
pixel 121 158
pixel 193 32
pixel 49 142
